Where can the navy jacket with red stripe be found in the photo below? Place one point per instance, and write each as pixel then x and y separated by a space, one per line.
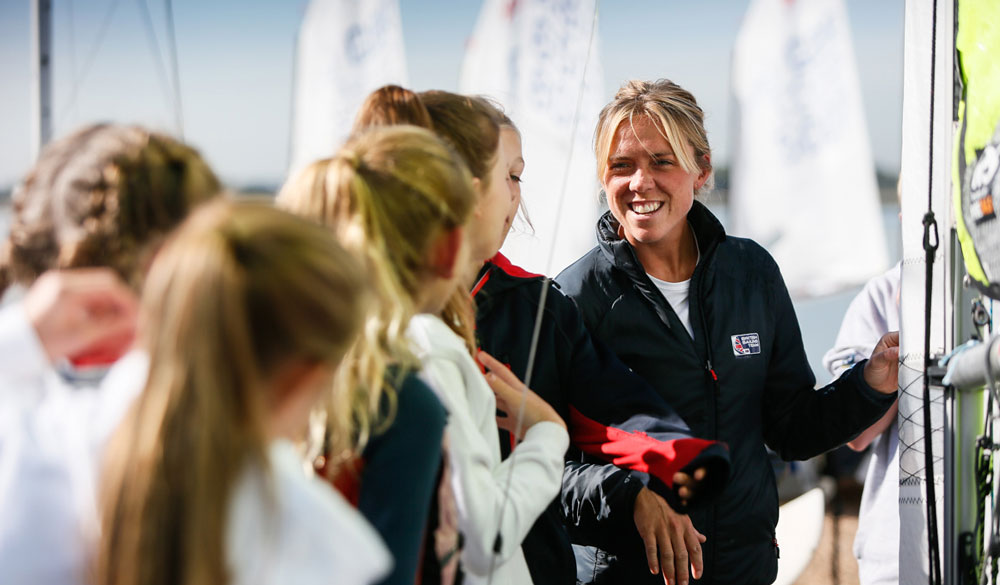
pixel 623 435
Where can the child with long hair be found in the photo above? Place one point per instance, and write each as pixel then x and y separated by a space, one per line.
pixel 403 195
pixel 469 125
pixel 245 315
pixel 389 198
pixel 104 196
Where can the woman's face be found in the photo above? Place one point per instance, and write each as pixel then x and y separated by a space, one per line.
pixel 488 227
pixel 648 191
pixel 511 142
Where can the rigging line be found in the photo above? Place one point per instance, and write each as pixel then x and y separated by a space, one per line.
pixel 497 544
pixel 572 140
pixel 175 68
pixel 154 48
pixel 72 49
pixel 78 81
pixel 930 249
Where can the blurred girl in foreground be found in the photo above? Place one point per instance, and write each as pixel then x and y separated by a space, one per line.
pixel 245 315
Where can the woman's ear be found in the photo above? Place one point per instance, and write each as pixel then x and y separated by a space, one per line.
pixel 705 173
pixel 444 253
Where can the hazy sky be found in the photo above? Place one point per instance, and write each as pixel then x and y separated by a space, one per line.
pixel 236 60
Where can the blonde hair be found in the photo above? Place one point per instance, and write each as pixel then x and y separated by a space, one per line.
pixel 105 195
pixel 675 115
pixel 387 195
pixel 240 292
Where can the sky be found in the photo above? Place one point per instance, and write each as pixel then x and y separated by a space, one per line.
pixel 235 62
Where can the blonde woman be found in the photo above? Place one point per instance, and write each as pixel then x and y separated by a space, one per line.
pixel 706 318
pixel 246 314
pixel 103 197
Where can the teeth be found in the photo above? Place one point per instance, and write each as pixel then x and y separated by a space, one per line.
pixel 647 207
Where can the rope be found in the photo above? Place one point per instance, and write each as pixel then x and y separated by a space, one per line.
pixel 154 48
pixel 175 68
pixel 102 32
pixel 572 142
pixel 498 543
pixel 930 248
pixel 72 44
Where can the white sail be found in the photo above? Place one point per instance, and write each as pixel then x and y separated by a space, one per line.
pixel 802 181
pixel 915 166
pixel 346 49
pixel 530 55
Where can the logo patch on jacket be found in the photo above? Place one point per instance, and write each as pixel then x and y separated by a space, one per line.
pixel 746 344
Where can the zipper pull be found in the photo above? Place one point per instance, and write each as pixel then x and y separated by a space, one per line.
pixel 708 366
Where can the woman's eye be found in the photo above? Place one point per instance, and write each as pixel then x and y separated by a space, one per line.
pixel 618 166
pixel 515 178
pixel 662 162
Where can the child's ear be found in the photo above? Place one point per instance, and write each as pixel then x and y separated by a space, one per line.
pixel 444 253
pixel 477 186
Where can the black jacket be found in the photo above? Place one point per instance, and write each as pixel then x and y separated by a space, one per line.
pixel 612 416
pixel 744 379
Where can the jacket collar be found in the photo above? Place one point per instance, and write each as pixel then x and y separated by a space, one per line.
pixel 707 230
pixel 498 276
pixel 617 251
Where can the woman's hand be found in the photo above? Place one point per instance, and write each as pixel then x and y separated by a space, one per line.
pixel 882 369
pixel 672 543
pixel 510 392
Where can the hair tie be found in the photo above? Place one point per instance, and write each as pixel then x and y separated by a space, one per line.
pixel 352 158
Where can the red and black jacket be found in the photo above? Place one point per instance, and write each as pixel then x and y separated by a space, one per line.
pixel 623 435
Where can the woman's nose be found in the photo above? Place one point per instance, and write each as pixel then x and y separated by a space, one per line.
pixel 641 181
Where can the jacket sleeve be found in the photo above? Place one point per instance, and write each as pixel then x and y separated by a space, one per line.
pixel 598 502
pixel 480 481
pixel 617 417
pixel 800 422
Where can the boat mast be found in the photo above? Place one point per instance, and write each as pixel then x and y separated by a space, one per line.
pixel 41 74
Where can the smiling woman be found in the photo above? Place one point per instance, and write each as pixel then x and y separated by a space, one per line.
pixel 706 318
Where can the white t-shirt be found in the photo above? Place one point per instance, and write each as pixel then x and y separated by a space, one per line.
pixel 286 527
pixel 676 294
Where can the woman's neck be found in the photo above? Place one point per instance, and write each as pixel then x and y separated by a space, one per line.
pixel 673 258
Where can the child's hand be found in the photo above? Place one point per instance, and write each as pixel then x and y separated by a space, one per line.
pixel 687 485
pixel 510 393
pixel 75 310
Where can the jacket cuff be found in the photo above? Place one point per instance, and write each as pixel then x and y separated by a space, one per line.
pixel 550 434
pixel 857 375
